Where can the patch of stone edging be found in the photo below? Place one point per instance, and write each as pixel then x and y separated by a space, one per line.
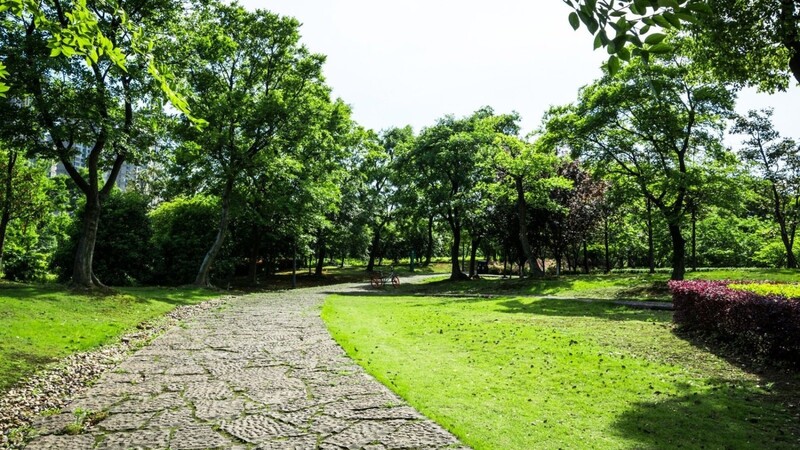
pixel 52 388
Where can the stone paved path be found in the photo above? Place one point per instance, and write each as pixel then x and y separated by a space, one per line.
pixel 261 372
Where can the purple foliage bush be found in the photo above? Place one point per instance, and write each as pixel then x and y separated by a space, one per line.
pixel 767 325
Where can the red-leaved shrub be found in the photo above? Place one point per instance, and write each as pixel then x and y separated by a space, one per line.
pixel 767 325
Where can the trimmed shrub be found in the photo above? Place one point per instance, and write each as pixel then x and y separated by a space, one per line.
pixel 781 289
pixel 768 325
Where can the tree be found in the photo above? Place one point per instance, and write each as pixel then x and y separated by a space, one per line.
pixel 752 42
pixel 578 213
pixel 92 105
pixel 526 175
pixel 777 162
pixel 653 123
pixel 379 183
pixel 446 159
pixel 255 84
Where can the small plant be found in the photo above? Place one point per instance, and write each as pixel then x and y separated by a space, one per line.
pixel 84 418
pixel 51 412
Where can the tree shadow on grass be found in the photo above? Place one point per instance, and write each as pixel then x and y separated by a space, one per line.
pixel 730 414
pixel 570 307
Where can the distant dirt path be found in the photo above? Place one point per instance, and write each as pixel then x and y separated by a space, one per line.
pixel 261 372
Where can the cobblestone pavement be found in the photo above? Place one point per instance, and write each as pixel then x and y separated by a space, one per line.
pixel 260 372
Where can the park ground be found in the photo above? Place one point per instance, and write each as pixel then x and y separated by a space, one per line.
pixel 502 364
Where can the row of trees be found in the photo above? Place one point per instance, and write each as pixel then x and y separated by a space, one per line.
pixel 254 161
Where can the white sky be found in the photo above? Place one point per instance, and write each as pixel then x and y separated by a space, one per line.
pixel 410 62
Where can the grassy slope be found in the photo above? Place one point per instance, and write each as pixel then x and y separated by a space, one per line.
pixel 40 324
pixel 507 373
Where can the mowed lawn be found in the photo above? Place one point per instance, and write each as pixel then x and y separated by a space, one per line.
pixel 522 373
pixel 41 323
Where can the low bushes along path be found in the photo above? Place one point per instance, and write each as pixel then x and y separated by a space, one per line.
pixel 261 371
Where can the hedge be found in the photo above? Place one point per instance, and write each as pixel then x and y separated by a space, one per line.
pixel 768 325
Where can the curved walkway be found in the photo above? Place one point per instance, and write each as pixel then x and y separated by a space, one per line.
pixel 260 372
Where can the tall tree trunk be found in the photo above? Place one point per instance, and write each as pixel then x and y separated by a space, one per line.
pixel 558 264
pixel 694 237
pixel 455 267
pixel 255 246
pixel 203 275
pixel 605 243
pixel 651 262
pixel 791 261
pixel 429 249
pixel 82 268
pixel 373 249
pixel 585 258
pixel 522 214
pixel 320 254
pixel 294 262
pixel 473 253
pixel 678 252
pixel 8 198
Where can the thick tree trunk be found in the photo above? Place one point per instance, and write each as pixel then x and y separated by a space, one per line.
pixel 321 250
pixel 8 198
pixel 794 64
pixel 82 268
pixel 203 275
pixel 678 252
pixel 373 250
pixel 455 267
pixel 791 261
pixel 473 253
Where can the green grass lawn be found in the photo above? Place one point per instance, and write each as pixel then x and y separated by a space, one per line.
pixel 522 372
pixel 41 323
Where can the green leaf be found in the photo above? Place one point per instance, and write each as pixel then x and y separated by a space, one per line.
pixel 624 54
pixel 654 38
pixel 661 21
pixel 660 48
pixel 574 21
pixel 686 17
pixel 589 21
pixel 598 42
pixel 55 52
pixel 668 4
pixel 700 7
pixel 613 65
pixel 641 5
pixel 673 20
